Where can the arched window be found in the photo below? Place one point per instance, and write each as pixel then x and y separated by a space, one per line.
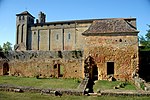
pixel 19 17
pixel 69 36
pixel 22 17
pixel 22 33
pixel 57 37
pixel 17 33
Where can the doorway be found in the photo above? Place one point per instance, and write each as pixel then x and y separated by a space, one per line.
pixel 110 68
pixel 60 71
pixel 90 68
pixel 95 73
pixel 5 69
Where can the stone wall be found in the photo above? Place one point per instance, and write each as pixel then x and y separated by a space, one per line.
pixel 123 93
pixel 120 49
pixel 58 36
pixel 62 92
pixel 49 91
pixel 67 64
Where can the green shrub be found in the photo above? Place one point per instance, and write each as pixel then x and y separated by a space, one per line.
pixel 142 86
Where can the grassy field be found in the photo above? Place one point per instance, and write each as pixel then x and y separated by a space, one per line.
pixel 40 83
pixel 103 84
pixel 37 96
pixel 58 83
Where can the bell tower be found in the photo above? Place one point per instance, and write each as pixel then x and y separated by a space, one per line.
pixel 23 22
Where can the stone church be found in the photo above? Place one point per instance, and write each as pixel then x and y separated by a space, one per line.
pixel 109 47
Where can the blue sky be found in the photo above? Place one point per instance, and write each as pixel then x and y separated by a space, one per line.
pixel 58 10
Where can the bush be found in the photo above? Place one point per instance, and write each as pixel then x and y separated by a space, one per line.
pixel 142 86
pixel 77 80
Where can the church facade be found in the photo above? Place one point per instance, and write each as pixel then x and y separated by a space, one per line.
pixel 109 46
pixel 53 36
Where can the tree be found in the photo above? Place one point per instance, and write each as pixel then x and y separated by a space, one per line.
pixel 1 48
pixel 148 34
pixel 7 46
pixel 145 41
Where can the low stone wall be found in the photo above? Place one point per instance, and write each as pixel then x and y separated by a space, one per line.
pixel 50 91
pixel 66 64
pixel 76 92
pixel 123 93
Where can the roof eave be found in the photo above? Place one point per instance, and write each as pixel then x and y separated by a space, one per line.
pixel 109 33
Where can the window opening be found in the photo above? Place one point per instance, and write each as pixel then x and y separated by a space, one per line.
pixel 17 33
pixel 22 33
pixel 22 17
pixel 110 68
pixel 120 40
pixel 69 36
pixel 57 37
pixel 55 66
pixel 19 17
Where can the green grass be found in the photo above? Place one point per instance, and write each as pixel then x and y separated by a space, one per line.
pixel 103 84
pixel 37 96
pixel 40 83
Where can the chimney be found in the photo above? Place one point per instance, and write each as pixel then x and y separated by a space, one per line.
pixel 42 17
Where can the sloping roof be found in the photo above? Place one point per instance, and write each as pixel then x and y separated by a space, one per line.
pixel 115 25
pixel 24 13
